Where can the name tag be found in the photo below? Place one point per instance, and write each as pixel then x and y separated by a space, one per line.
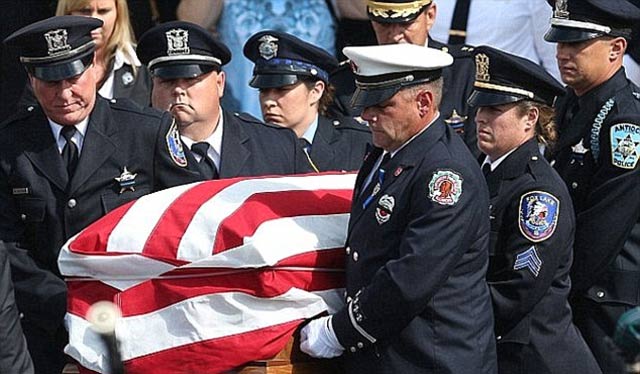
pixel 20 191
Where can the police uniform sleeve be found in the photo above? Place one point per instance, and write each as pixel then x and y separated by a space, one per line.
pixel 171 165
pixel 14 356
pixel 430 248
pixel 38 292
pixel 612 205
pixel 532 244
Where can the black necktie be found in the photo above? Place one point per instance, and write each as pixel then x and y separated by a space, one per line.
pixel 70 150
pixel 207 167
pixel 486 169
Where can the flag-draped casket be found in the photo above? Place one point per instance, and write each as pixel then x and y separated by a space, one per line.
pixel 210 275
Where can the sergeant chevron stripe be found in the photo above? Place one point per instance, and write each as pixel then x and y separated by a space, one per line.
pixel 529 259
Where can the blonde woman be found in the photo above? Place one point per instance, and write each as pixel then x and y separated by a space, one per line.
pixel 121 74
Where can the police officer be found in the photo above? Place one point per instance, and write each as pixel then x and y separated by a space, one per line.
pixel 417 248
pixel 293 80
pixel 185 62
pixel 65 163
pixel 597 156
pixel 532 219
pixel 409 21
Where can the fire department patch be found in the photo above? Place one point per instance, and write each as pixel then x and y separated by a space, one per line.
pixel 385 208
pixel 625 145
pixel 445 187
pixel 538 215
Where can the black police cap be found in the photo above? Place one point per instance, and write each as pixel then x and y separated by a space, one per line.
pixel 281 58
pixel 503 78
pixel 181 50
pixel 395 11
pixel 56 48
pixel 580 20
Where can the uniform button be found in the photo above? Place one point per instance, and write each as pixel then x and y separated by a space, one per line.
pixel 352 349
pixel 574 185
pixel 72 203
pixel 336 123
pixel 23 217
pixel 30 108
pixel 498 337
pixel 21 315
pixel 113 101
pixel 360 345
pixel 348 250
pixel 600 294
pixel 355 256
pixel 534 158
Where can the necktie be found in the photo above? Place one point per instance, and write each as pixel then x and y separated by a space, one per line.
pixel 70 150
pixel 370 190
pixel 486 169
pixel 306 148
pixel 207 167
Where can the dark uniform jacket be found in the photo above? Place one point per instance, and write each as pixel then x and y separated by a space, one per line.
pixel 14 356
pixel 458 84
pixel 597 157
pixel 339 144
pixel 531 249
pixel 40 209
pixel 417 256
pixel 136 87
pixel 253 148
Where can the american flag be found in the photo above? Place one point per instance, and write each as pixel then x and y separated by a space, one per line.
pixel 211 275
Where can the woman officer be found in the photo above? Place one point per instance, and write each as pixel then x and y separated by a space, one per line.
pixel 293 79
pixel 532 218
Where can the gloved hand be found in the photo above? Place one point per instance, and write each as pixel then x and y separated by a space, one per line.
pixel 317 339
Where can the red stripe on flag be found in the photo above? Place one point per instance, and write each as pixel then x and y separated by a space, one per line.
pixel 263 207
pixel 82 294
pixel 216 355
pixel 163 241
pixel 155 294
pixel 93 239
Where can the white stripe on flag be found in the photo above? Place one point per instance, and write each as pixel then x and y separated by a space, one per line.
pixel 199 236
pixel 197 319
pixel 282 238
pixel 133 230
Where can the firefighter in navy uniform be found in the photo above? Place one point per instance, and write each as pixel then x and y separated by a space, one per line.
pixel 407 21
pixel 417 300
pixel 185 62
pixel 66 162
pixel 532 218
pixel 597 156
pixel 292 76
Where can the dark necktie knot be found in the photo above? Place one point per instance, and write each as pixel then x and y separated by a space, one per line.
pixel 304 144
pixel 68 132
pixel 201 149
pixel 385 160
pixel 206 165
pixel 486 169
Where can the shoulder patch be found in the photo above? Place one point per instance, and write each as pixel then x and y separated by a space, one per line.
pixel 625 145
pixel 174 145
pixel 538 215
pixel 445 187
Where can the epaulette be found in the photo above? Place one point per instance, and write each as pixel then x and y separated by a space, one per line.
pixel 247 117
pixel 20 114
pixel 350 123
pixel 460 51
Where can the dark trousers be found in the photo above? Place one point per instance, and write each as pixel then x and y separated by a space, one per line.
pixel 597 323
pixel 46 347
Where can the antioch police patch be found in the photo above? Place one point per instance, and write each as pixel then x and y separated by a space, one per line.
pixel 175 146
pixel 538 215
pixel 625 145
pixel 445 187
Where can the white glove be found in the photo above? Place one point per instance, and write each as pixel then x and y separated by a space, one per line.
pixel 317 339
